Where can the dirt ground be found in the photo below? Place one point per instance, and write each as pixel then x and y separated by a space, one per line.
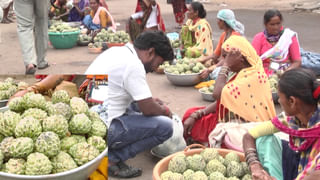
pixel 179 99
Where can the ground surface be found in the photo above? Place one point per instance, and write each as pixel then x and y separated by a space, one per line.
pixel 77 59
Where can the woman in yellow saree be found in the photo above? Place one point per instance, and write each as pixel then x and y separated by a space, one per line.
pixel 196 35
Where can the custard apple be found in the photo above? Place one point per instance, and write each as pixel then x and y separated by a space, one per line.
pixel 16 104
pixel 199 175
pixel 9 80
pixel 15 166
pixel 31 100
pixel 28 127
pixel 232 156
pixel 49 108
pixel 234 169
pixel 36 113
pixel 67 142
pixel 166 175
pixel 62 162
pixel 93 116
pixel 57 124
pixel 187 174
pixel 98 128
pixel 209 154
pixel 245 167
pixel 8 122
pixel 215 166
pixel 48 143
pixel 79 138
pixel 63 109
pixel 5 85
pixel 38 164
pixel 80 124
pixel 4 146
pixel 78 105
pixel 21 147
pixel 178 164
pixel 216 176
pixel 60 96
pixel 196 162
pixel 83 153
pixel 97 142
pixel 22 85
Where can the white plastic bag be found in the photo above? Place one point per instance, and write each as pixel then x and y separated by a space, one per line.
pixel 175 143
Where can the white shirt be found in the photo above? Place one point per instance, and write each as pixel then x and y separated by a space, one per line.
pixel 126 78
pixel 152 20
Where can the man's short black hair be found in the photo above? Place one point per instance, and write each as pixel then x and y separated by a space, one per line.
pixel 157 40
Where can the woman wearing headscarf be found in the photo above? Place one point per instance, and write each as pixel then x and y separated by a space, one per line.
pixel 244 97
pixel 98 18
pixel 227 22
pixel 268 156
pixel 278 47
pixel 147 16
pixel 77 12
pixel 196 35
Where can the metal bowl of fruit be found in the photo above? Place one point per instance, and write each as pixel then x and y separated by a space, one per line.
pixel 183 79
pixel 186 72
pixel 206 93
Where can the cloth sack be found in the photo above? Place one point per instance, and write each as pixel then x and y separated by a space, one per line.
pixel 175 143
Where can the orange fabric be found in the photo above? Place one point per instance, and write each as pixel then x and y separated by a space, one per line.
pixel 102 172
pixel 217 51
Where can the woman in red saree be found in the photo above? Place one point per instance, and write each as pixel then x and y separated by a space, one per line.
pixel 245 97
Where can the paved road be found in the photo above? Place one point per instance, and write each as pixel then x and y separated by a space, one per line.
pixel 77 59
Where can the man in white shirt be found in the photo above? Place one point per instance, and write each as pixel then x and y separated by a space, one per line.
pixel 136 121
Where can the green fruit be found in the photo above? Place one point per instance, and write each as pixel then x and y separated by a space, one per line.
pixel 48 143
pixel 31 100
pixel 36 113
pixel 8 122
pixel 63 162
pixel 67 142
pixel 98 128
pixel 97 142
pixel 16 104
pixel 38 164
pixel 60 96
pixel 57 124
pixel 83 153
pixel 80 124
pixel 28 127
pixel 4 146
pixel 15 166
pixel 79 138
pixel 78 105
pixel 21 147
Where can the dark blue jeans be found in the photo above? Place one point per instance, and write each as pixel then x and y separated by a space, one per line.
pixel 133 133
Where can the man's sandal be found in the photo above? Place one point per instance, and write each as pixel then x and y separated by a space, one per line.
pixel 121 170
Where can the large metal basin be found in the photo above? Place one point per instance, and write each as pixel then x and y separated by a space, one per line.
pixel 206 96
pixel 183 80
pixel 79 173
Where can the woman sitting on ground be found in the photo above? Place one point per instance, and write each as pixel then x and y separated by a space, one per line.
pixel 98 18
pixel 227 22
pixel 277 46
pixel 196 35
pixel 299 94
pixel 245 97
pixel 77 12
